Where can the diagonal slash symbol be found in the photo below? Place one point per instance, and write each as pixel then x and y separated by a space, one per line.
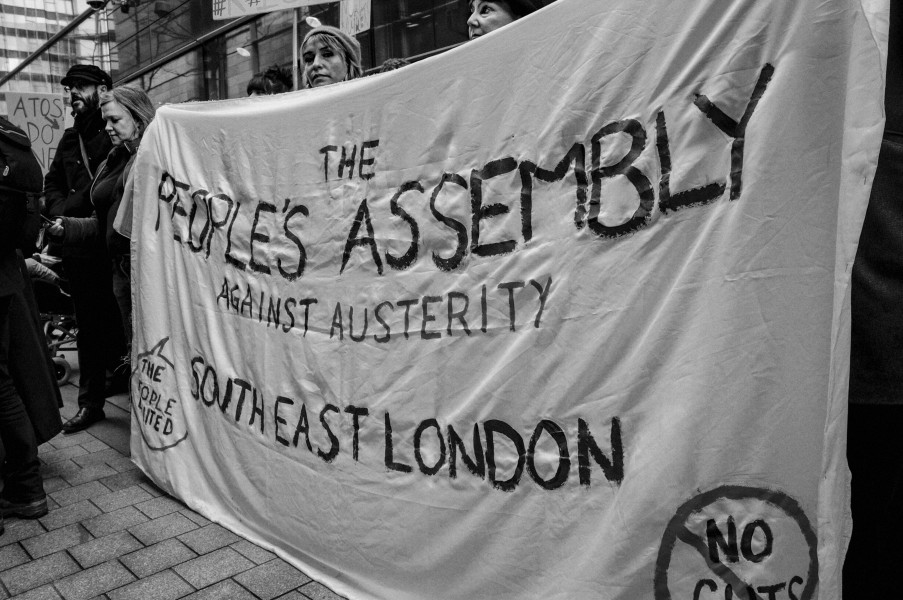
pixel 719 569
pixel 677 530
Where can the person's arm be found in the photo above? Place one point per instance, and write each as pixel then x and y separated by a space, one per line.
pixel 74 230
pixel 56 184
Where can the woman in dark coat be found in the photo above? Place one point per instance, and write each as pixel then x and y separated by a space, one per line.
pixel 128 112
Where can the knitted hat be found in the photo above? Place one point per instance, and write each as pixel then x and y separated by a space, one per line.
pixel 350 45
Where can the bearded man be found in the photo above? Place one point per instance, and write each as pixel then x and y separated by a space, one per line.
pixel 67 191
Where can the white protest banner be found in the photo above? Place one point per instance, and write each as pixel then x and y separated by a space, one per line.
pixel 43 117
pixel 561 314
pixel 354 16
pixel 230 9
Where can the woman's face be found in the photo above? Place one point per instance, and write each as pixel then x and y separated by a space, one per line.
pixel 488 15
pixel 322 65
pixel 121 127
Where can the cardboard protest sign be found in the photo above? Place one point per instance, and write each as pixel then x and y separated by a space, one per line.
pixel 561 313
pixel 354 16
pixel 43 117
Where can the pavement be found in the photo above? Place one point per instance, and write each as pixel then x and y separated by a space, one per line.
pixel 112 534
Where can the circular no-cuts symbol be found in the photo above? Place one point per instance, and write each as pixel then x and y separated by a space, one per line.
pixel 738 542
pixel 155 398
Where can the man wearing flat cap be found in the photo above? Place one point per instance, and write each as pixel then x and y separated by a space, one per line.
pixel 67 190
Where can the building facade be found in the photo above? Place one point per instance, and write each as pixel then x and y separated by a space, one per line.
pixel 176 51
pixel 26 25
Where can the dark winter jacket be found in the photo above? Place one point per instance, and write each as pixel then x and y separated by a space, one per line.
pixel 876 361
pixel 106 194
pixel 30 363
pixel 68 181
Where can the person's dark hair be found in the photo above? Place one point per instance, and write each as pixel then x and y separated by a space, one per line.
pixel 275 80
pixel 519 8
pixel 393 63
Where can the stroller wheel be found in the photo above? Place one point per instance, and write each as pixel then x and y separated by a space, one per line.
pixel 62 368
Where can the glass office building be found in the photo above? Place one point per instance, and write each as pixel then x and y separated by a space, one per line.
pixel 177 52
pixel 27 25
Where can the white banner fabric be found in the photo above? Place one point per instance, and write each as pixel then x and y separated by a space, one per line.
pixel 562 313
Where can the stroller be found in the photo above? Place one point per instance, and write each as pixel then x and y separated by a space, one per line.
pixel 57 318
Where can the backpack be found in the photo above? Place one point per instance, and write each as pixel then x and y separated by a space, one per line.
pixel 21 184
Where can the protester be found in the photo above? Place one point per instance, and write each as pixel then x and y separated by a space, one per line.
pixel 489 15
pixel 274 80
pixel 874 440
pixel 101 339
pixel 20 483
pixel 329 56
pixel 127 112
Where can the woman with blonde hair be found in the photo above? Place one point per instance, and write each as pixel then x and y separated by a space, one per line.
pixel 127 112
pixel 329 55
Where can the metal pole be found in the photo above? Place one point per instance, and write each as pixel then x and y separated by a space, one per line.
pixel 295 77
pixel 49 43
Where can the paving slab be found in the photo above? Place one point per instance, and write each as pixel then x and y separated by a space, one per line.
pixel 96 458
pixel 160 556
pixel 104 548
pixel 112 522
pixel 124 480
pixel 122 464
pixel 115 430
pixel 94 581
pixel 56 540
pixel 90 473
pixel 211 568
pixel 64 441
pixel 165 585
pixel 121 401
pixel 198 519
pixel 60 468
pixel 272 579
pixel 121 498
pixel 94 445
pixel 45 592
pixel 209 538
pixel 224 590
pixel 67 515
pixel 159 507
pixel 52 455
pixel 158 530
pixel 38 572
pixel 318 591
pixel 19 530
pixel 77 493
pixel 252 551
pixel 12 556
